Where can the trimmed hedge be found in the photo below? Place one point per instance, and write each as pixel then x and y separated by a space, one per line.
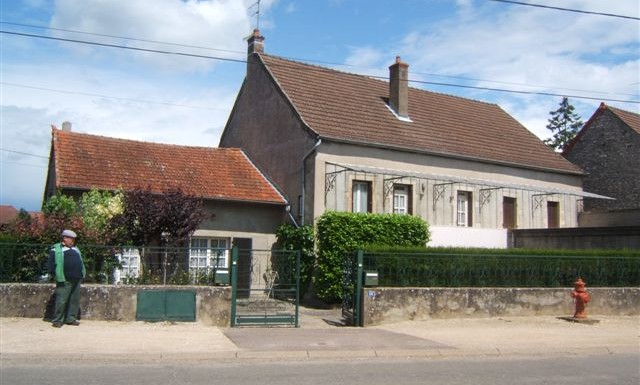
pixel 449 267
pixel 339 234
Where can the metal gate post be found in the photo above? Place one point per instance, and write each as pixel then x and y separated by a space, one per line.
pixel 234 283
pixel 297 288
pixel 357 310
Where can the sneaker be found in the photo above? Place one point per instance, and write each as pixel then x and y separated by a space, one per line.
pixel 73 323
pixel 56 325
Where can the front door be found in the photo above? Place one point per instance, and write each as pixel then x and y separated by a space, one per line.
pixel 244 246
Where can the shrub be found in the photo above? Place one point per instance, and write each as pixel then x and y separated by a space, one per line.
pixel 300 239
pixel 340 234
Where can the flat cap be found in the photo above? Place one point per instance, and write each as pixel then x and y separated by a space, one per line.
pixel 69 233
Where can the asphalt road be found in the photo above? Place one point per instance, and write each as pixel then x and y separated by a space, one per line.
pixel 601 370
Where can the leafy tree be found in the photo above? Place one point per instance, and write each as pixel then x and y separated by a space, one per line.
pixel 153 219
pixel 98 208
pixel 564 123
pixel 182 214
pixel 150 218
pixel 60 204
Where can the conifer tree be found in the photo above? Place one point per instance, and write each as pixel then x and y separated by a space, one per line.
pixel 564 123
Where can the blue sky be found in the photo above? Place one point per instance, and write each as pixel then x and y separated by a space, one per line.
pixel 180 100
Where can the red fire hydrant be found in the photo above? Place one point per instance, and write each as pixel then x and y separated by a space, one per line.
pixel 581 298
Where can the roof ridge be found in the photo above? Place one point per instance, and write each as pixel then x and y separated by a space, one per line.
pixel 372 77
pixel 57 131
pixel 620 109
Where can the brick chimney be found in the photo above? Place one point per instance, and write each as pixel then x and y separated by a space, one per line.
pixel 399 88
pixel 255 45
pixel 256 42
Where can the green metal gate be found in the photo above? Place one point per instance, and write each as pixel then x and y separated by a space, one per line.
pixel 267 290
pixel 352 288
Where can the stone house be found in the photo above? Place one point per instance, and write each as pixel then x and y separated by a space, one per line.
pixel 246 207
pixel 333 140
pixel 607 148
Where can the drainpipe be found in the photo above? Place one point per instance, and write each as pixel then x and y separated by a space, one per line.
pixel 304 159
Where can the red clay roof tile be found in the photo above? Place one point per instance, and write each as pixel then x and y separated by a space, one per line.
pixel 86 161
pixel 342 106
pixel 7 214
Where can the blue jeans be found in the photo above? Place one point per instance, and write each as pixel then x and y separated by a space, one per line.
pixel 67 301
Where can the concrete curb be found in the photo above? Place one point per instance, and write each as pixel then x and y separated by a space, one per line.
pixel 306 355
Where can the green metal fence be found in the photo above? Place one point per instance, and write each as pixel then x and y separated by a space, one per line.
pixel 473 270
pixel 143 265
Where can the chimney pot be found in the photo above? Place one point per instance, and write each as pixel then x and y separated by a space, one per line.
pixel 255 45
pixel 256 42
pixel 66 126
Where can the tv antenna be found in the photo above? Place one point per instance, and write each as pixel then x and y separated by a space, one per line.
pixel 256 5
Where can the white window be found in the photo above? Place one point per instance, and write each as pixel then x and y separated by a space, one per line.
pixel 463 217
pixel 401 199
pixel 206 254
pixel 361 197
pixel 129 265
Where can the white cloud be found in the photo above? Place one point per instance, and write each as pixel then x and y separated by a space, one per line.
pixel 291 7
pixel 28 113
pixel 27 131
pixel 567 53
pixel 364 56
pixel 131 107
pixel 214 24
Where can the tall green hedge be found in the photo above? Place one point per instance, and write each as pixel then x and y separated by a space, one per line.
pixel 339 234
pixel 458 267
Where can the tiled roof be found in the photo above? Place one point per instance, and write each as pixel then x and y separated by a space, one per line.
pixel 7 214
pixel 85 161
pixel 348 107
pixel 630 118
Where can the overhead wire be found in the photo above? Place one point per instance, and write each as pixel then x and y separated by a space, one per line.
pixel 295 59
pixel 184 54
pixel 23 153
pixel 120 46
pixel 110 97
pixel 24 164
pixel 567 9
pixel 120 37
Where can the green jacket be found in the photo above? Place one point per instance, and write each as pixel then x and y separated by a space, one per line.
pixel 59 255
